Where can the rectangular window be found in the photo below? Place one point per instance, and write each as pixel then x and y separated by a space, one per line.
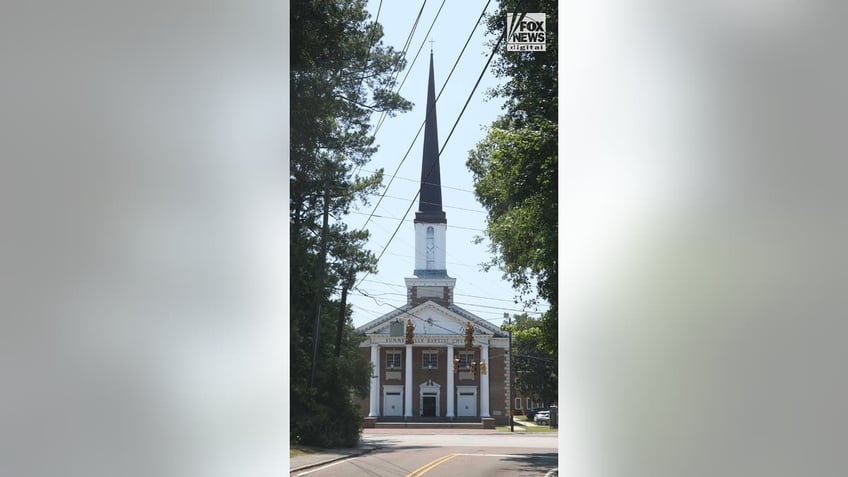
pixel 393 360
pixel 465 359
pixel 518 403
pixel 430 359
pixel 529 404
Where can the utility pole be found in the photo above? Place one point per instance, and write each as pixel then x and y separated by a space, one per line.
pixel 342 318
pixel 511 378
pixel 319 292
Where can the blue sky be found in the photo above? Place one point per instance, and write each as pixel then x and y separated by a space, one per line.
pixel 484 293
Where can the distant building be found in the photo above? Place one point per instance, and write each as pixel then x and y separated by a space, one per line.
pixel 437 374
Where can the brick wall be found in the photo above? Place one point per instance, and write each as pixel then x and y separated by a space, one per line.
pixel 497 386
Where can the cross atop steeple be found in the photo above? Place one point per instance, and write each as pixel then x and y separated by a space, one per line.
pixel 431 45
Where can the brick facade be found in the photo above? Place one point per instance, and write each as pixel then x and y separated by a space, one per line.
pixel 495 369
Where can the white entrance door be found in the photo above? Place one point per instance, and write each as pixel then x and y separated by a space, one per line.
pixel 466 401
pixel 393 400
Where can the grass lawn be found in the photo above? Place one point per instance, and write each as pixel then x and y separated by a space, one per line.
pixel 296 451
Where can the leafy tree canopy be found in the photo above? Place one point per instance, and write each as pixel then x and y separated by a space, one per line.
pixel 515 167
pixel 535 370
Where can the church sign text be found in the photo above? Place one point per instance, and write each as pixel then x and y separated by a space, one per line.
pixel 417 340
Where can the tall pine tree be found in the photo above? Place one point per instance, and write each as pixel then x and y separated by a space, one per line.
pixel 341 74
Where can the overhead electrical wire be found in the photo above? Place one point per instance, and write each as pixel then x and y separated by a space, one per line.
pixel 419 180
pixel 409 220
pixel 420 128
pixel 409 69
pixel 447 140
pixel 402 55
pixel 397 285
pixel 450 134
pixel 371 295
pixel 478 211
pixel 413 315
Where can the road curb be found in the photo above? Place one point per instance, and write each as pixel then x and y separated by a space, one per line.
pixel 332 459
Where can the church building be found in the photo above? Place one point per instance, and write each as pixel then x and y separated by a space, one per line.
pixel 433 360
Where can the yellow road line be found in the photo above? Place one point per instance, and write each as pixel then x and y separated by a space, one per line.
pixel 427 467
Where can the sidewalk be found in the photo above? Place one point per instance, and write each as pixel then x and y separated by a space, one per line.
pixel 325 456
pixel 525 423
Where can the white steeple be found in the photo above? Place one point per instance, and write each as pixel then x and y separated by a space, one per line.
pixel 431 277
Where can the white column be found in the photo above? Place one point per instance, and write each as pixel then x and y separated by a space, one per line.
pixel 484 382
pixel 374 408
pixel 407 391
pixel 450 390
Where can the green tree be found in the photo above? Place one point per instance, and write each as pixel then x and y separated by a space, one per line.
pixel 341 74
pixel 535 370
pixel 515 167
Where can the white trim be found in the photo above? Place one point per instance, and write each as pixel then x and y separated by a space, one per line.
pixel 407 403
pixel 473 357
pixel 465 390
pixel 429 282
pixel 392 388
pixel 484 381
pixel 374 406
pixel 429 387
pixel 433 352
pixel 483 329
pixel 393 352
pixel 450 395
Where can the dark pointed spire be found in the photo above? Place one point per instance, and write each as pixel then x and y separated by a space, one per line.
pixel 430 200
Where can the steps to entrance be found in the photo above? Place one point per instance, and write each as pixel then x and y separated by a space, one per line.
pixel 430 423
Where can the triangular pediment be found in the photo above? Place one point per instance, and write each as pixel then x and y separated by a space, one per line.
pixel 429 318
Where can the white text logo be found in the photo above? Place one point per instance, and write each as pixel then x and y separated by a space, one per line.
pixel 525 32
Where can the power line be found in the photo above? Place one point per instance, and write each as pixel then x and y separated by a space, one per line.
pixel 455 294
pixel 373 215
pixel 378 314
pixel 413 315
pixel 404 50
pixel 397 308
pixel 411 65
pixel 497 307
pixel 409 37
pixel 371 171
pixel 538 358
pixel 420 128
pixel 403 255
pixel 372 295
pixel 447 140
pixel 432 203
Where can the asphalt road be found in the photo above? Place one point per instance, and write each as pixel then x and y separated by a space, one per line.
pixel 455 454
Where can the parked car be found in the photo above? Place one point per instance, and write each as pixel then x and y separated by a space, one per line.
pixel 542 417
pixel 531 413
